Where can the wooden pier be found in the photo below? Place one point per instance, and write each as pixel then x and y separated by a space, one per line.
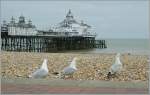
pixel 49 43
pixel 69 34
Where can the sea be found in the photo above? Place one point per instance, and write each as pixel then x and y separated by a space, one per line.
pixel 134 46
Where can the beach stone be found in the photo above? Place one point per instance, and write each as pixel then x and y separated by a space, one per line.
pixel 90 66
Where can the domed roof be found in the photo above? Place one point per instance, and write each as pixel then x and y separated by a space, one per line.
pixel 21 16
pixel 21 19
pixel 71 24
pixel 68 21
pixel 69 14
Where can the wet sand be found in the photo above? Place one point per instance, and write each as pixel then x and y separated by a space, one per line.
pixel 90 66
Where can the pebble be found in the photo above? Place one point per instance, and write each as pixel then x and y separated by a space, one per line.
pixel 90 66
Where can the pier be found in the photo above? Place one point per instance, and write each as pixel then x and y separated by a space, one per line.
pixel 69 34
pixel 49 43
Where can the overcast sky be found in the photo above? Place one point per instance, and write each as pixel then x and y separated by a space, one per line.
pixel 110 19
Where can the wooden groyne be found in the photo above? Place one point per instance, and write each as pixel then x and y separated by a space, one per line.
pixel 49 43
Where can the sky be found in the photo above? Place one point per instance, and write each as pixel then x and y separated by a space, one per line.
pixel 126 19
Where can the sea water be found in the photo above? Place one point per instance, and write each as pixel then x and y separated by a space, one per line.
pixel 138 46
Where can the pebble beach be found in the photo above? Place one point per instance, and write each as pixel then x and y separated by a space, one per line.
pixel 90 66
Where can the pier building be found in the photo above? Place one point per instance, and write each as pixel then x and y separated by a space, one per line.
pixel 69 34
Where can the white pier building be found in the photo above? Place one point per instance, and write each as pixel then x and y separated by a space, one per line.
pixel 70 27
pixel 20 28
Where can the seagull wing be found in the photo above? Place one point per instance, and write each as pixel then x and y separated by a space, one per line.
pixel 116 68
pixel 39 73
pixel 68 70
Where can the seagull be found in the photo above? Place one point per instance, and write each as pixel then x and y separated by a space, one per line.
pixel 42 72
pixel 116 67
pixel 71 68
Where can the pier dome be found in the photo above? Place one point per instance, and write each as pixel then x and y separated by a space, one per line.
pixel 21 19
pixel 71 26
pixel 69 14
pixel 70 22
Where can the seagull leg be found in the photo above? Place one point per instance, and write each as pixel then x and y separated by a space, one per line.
pixel 114 75
pixel 72 76
pixel 64 77
pixel 60 75
pixel 69 76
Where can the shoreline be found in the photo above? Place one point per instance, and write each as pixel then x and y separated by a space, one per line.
pixel 92 51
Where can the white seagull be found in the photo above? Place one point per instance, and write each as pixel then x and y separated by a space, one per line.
pixel 42 72
pixel 71 68
pixel 116 67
